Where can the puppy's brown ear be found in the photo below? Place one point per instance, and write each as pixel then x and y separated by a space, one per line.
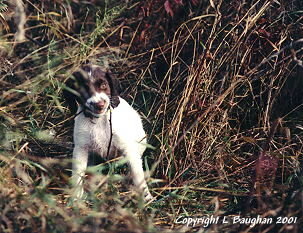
pixel 76 90
pixel 70 96
pixel 114 90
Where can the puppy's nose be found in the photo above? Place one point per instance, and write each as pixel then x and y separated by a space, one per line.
pixel 99 105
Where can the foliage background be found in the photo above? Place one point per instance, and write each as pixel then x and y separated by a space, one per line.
pixel 218 85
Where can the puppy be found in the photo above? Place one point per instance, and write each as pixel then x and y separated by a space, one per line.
pixel 104 123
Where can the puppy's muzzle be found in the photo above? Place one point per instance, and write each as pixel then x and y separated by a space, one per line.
pixel 99 106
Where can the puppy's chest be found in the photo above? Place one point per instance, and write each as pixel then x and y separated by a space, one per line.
pixel 99 137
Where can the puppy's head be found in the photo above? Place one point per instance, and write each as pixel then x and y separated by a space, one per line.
pixel 95 90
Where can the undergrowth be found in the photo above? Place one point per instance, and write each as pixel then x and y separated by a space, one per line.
pixel 218 86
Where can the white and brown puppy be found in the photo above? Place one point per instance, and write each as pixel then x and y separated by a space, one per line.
pixel 105 123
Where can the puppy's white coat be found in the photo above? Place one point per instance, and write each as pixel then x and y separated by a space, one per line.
pixel 93 135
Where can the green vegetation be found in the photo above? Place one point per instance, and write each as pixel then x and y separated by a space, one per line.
pixel 217 83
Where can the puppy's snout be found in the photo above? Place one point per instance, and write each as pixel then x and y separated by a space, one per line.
pixel 99 105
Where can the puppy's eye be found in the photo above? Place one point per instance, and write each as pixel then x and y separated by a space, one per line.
pixel 103 86
pixel 99 85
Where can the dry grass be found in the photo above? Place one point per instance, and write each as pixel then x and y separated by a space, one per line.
pixel 218 84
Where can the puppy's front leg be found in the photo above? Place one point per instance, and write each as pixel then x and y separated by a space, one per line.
pixel 80 157
pixel 135 162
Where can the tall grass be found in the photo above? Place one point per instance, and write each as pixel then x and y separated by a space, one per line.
pixel 210 79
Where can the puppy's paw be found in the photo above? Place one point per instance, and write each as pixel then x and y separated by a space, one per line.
pixel 147 196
